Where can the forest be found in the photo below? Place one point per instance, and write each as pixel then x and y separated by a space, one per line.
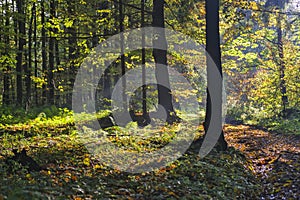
pixel 149 99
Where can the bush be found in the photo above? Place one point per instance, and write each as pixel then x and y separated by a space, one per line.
pixel 13 115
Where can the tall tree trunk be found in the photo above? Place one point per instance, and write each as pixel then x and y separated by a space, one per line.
pixel 144 87
pixel 44 55
pixel 29 67
pixel 50 80
pixel 58 100
pixel 107 87
pixel 16 40
pixel 22 42
pixel 7 68
pixel 72 42
pixel 284 98
pixel 280 5
pixel 160 57
pixel 35 58
pixel 123 67
pixel 213 49
pixel 59 73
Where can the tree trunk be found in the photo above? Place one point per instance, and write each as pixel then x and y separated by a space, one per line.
pixel 160 57
pixel 7 68
pixel 16 40
pixel 72 42
pixel 123 67
pixel 22 42
pixel 146 117
pixel 59 73
pixel 44 55
pixel 50 80
pixel 29 67
pixel 284 98
pixel 35 58
pixel 213 49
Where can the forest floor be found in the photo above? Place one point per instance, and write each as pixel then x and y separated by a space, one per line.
pixel 275 159
pixel 257 165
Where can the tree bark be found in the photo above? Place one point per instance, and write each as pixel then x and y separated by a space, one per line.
pixel 44 54
pixel 213 49
pixel 29 67
pixel 50 80
pixel 7 68
pixel 72 43
pixel 35 57
pixel 123 67
pixel 22 42
pixel 160 57
pixel 146 117
pixel 284 98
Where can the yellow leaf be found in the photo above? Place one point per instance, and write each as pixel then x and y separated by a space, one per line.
pixel 253 5
pixel 86 161
pixel 97 167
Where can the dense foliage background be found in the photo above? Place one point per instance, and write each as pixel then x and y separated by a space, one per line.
pixel 44 42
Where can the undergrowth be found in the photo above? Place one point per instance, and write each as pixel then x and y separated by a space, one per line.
pixel 70 171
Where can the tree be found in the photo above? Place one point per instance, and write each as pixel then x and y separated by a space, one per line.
pixel 35 54
pixel 144 89
pixel 21 44
pixel 50 80
pixel 7 69
pixel 123 66
pixel 213 50
pixel 160 57
pixel 280 4
pixel 44 53
pixel 72 44
pixel 29 67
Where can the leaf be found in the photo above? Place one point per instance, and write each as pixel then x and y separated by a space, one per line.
pixel 86 161
pixel 68 23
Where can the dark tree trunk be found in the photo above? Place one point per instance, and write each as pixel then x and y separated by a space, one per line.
pixel 107 82
pixel 57 50
pixel 123 67
pixel 7 68
pixel 72 42
pixel 59 73
pixel 44 55
pixel 22 42
pixel 58 99
pixel 16 40
pixel 35 57
pixel 50 96
pixel 284 98
pixel 280 5
pixel 160 57
pixel 29 67
pixel 144 89
pixel 213 49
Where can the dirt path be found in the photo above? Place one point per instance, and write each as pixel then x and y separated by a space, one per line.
pixel 274 158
